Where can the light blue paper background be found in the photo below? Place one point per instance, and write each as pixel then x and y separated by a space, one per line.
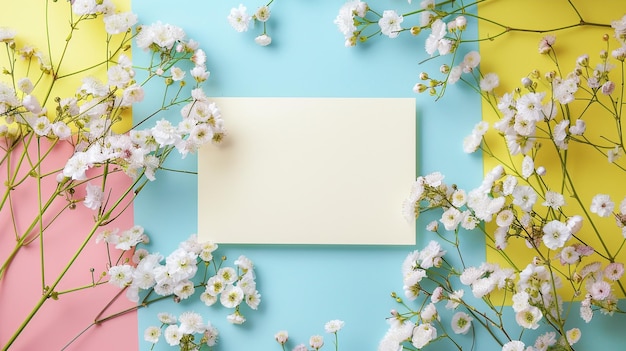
pixel 303 287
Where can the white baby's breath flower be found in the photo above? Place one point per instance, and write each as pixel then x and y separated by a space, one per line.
pixel 390 23
pixel 614 154
pixel 262 14
pixel 545 340
pixel 152 334
pixel 7 34
pixel 578 128
pixel 555 234
pixel 471 60
pixel 191 323
pixel 505 218
pixel 573 335
pixel 528 167
pixel 84 7
pixel 600 290
pixel 228 274
pixel 210 335
pixel 239 19
pixel 61 130
pixel 614 271
pixel 525 197
pixel 316 341
pixel 173 335
pixel 602 205
pixel 569 255
pixel 232 296
pixel 207 298
pixel 514 345
pixel 454 299
pixel 184 289
pixel 529 318
pixel 199 73
pixel 121 275
pixel 333 326
pixel 471 143
pixel 263 40
pixel 451 218
pixel 423 334
pixel 438 32
pixel 236 318
pixel 554 200
pixel 489 82
pixel 95 196
pixel 281 337
pixel 461 323
pixel 119 22
pixel 429 313
pixel 253 299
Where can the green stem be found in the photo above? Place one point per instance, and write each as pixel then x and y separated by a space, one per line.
pixel 50 291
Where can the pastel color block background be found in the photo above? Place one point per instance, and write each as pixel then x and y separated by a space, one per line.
pixel 20 289
pixel 302 286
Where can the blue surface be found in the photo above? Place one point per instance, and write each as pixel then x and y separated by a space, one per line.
pixel 303 287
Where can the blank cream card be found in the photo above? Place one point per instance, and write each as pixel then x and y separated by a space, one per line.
pixel 309 171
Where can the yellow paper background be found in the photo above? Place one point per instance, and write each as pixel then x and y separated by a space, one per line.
pixel 513 56
pixel 87 47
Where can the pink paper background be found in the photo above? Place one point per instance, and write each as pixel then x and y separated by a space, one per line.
pixel 59 321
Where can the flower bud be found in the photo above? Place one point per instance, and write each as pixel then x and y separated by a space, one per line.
pixel 608 87
pixel 527 82
pixel 574 223
pixel 415 30
pixel 451 26
pixel 541 171
pixel 576 277
pixel 444 69
pixel 31 104
pixel 550 76
pixel 423 76
pixel 419 88
pixel 619 54
pixel 461 22
pixel 535 73
pixel 605 37
pixel 263 40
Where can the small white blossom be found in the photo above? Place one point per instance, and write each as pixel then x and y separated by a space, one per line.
pixel 390 23
pixel 239 19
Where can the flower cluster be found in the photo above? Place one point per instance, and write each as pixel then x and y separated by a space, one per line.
pixel 240 20
pixel 182 331
pixel 316 342
pixel 231 286
pixel 81 115
pixel 177 278
pixel 531 202
pixel 359 23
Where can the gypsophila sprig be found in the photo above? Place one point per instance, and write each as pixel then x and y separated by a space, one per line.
pixel 316 342
pixel 533 199
pixel 52 108
pixel 241 21
pixel 444 25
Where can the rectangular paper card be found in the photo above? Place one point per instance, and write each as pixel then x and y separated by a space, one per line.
pixel 309 171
